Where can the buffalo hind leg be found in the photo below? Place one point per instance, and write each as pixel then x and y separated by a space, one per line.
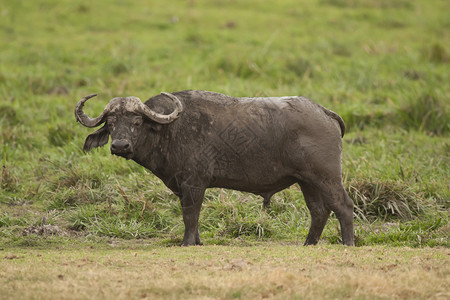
pixel 191 203
pixel 323 198
pixel 342 205
pixel 319 213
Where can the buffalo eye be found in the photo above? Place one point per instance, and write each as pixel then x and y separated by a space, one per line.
pixel 110 123
pixel 137 121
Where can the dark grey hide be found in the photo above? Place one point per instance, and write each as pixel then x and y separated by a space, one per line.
pixel 194 140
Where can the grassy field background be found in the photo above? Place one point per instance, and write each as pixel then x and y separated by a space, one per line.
pixel 382 65
pixel 260 271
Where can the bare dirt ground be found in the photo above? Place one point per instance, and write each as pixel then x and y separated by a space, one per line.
pixel 260 271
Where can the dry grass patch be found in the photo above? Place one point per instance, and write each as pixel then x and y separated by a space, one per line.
pixel 227 272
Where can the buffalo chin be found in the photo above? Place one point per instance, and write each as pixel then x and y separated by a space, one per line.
pixel 126 155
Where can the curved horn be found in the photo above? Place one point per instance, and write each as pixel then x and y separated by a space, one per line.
pixel 164 119
pixel 83 118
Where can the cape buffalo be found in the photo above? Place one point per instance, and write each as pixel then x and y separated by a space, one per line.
pixel 194 140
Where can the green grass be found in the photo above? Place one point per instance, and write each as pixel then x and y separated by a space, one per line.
pixel 382 65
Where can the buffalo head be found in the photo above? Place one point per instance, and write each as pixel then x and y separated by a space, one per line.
pixel 123 117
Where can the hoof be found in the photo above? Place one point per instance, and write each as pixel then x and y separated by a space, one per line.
pixel 186 244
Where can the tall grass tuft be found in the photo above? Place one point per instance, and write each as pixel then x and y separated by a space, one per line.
pixel 9 115
pixel 386 200
pixel 8 181
pixel 60 134
pixel 428 112
pixel 299 66
pixel 360 117
pixel 10 220
pixel 437 53
pixel 374 4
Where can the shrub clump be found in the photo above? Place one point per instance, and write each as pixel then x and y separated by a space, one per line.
pixel 387 200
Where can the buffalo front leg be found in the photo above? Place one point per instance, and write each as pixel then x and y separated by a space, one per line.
pixel 266 202
pixel 191 203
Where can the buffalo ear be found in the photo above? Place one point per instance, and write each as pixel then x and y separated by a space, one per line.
pixel 96 139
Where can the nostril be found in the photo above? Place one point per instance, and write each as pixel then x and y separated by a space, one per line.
pixel 119 146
